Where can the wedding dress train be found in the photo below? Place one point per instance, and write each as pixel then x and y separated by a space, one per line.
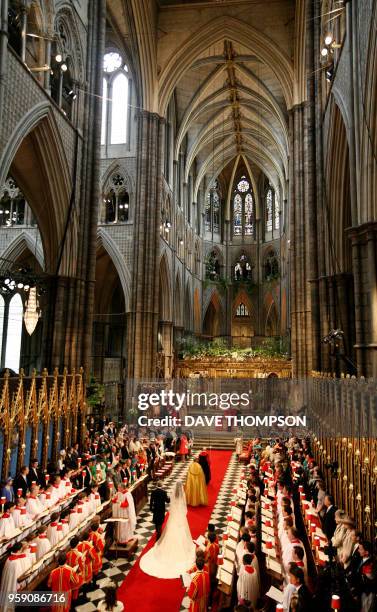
pixel 174 553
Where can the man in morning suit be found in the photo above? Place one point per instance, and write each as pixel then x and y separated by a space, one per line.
pixel 329 524
pixel 157 505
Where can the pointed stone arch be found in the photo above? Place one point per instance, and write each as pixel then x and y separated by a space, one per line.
pixel 178 301
pixel 165 292
pixel 35 157
pixel 271 317
pixel 213 319
pixel 25 241
pixel 104 239
pixel 187 315
pixel 242 325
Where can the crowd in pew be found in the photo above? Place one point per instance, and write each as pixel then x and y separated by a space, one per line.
pixel 47 514
pixel 280 561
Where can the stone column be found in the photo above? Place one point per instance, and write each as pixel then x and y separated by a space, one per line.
pixel 68 321
pixel 143 316
pixel 3 52
pixel 364 256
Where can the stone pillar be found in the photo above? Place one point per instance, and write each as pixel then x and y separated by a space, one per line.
pixel 68 321
pixel 143 316
pixel 300 321
pixel 364 256
pixel 303 216
pixel 3 52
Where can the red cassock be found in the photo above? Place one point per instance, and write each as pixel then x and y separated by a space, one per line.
pixel 183 447
pixel 198 592
pixel 90 557
pixel 62 580
pixel 75 558
pixel 211 554
pixel 99 547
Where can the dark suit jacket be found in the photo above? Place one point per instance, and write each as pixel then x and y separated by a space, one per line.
pixel 87 477
pixel 304 599
pixel 37 476
pixel 20 483
pixel 157 505
pixel 329 524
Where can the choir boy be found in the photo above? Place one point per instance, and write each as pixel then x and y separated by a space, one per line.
pixel 63 579
pixel 198 590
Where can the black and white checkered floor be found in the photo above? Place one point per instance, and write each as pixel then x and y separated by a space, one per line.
pixel 117 570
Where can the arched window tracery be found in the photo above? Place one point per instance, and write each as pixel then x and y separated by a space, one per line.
pixel 272 209
pixel 242 310
pixel 66 62
pixel 166 225
pixel 115 100
pixel 213 268
pixel 13 206
pixel 271 266
pixel 243 269
pixel 243 208
pixel 213 209
pixel 116 200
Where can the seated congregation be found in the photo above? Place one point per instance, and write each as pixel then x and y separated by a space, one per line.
pixel 282 543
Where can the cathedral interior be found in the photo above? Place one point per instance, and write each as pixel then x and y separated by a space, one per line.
pixel 188 188
pixel 181 172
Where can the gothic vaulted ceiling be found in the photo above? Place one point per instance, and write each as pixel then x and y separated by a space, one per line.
pixel 230 67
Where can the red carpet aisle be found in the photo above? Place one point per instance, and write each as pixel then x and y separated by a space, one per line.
pixel 147 594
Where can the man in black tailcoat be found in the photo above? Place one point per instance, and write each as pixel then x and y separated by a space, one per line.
pixel 158 501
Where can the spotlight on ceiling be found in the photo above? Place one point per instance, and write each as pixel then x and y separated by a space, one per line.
pixel 324 52
pixel 58 58
pixel 64 67
pixel 328 38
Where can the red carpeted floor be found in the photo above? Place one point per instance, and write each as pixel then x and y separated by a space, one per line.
pixel 147 594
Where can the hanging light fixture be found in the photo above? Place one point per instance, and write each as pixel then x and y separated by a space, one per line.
pixel 32 311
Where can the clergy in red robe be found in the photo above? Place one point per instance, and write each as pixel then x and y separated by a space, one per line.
pixel 86 547
pixel 74 559
pixel 183 447
pixel 62 580
pixel 198 590
pixel 97 540
pixel 211 554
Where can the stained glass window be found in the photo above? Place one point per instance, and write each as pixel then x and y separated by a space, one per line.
pixel 208 212
pixel 14 334
pixel 269 204
pixel 249 205
pixel 243 209
pixel 115 95
pixel 216 212
pixel 242 310
pixel 277 212
pixel 237 213
pixel 118 105
pixel 111 62
pixel 243 185
pixel 213 209
pixel 104 111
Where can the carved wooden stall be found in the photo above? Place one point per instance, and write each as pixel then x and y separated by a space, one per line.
pixel 39 415
pixel 344 425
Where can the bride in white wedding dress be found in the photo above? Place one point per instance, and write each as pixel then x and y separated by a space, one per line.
pixel 174 553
